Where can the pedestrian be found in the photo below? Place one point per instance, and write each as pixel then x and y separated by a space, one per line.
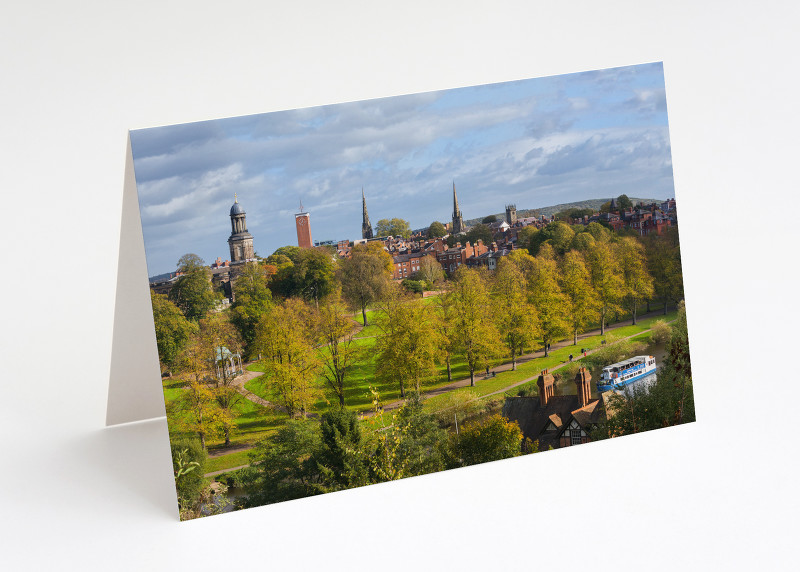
pixel 487 371
pixel 570 357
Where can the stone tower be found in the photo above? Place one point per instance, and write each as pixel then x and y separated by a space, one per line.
pixel 511 214
pixel 458 220
pixel 302 221
pixel 240 241
pixel 366 226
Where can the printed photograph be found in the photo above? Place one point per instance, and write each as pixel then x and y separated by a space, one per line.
pixel 358 293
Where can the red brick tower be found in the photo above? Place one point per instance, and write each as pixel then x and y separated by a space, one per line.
pixel 302 221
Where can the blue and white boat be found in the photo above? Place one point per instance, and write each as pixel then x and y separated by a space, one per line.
pixel 618 375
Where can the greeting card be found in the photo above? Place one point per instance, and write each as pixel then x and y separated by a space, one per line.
pixel 363 292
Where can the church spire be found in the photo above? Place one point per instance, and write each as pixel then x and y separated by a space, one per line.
pixel 458 219
pixel 366 227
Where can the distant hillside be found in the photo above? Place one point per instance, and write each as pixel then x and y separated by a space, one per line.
pixel 547 211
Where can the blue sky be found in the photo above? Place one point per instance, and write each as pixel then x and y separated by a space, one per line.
pixel 535 143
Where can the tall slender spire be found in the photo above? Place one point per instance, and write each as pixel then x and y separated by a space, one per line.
pixel 458 219
pixel 366 227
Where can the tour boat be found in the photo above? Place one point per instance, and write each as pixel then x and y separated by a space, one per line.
pixel 618 375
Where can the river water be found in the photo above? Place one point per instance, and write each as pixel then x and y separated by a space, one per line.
pixel 658 351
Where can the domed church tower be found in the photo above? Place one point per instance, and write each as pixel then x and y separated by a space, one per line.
pixel 240 241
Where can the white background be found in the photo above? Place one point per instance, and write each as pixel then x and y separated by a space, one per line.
pixel 718 494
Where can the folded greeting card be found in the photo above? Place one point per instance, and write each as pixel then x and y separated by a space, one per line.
pixel 362 292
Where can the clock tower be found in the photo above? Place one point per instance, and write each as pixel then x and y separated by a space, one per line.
pixel 302 221
pixel 240 241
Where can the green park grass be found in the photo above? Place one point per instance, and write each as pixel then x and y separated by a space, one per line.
pixel 229 461
pixel 254 422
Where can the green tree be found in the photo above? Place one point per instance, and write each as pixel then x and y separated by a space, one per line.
pixel 364 276
pixel 479 232
pixel 516 317
pixel 394 227
pixel 606 279
pixel 558 234
pixel 312 276
pixel 526 237
pixel 664 264
pixel 252 298
pixel 192 291
pixel 492 439
pixel 473 331
pixel 291 252
pixel 284 465
pixel 411 446
pixel 173 330
pixel 341 459
pixel 581 298
pixel 436 230
pixel 624 203
pixel 335 333
pixel 489 219
pixel 636 279
pixel 409 345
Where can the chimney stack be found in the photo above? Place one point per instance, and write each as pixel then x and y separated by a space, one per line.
pixel 545 385
pixel 584 390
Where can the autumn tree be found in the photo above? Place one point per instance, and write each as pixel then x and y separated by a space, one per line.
pixel 473 331
pixel 430 270
pixel 196 411
pixel 582 300
pixel 173 330
pixel 492 439
pixel 393 227
pixel 637 281
pixel 364 276
pixel 220 342
pixel 545 294
pixel 409 346
pixel 192 291
pixel 285 342
pixel 252 298
pixel 606 279
pixel 515 316
pixel 444 320
pixel 335 333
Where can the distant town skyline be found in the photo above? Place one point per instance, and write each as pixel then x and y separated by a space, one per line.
pixel 534 143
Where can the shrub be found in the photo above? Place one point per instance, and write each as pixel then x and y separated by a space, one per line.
pixel 660 332
pixel 416 286
pixel 188 465
pixel 457 405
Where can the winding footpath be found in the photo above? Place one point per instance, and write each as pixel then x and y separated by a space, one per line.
pixel 240 381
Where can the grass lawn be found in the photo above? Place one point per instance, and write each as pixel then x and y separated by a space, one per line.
pixel 254 422
pixel 223 462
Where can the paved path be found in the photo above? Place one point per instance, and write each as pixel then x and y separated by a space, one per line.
pixel 248 375
pixel 520 360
